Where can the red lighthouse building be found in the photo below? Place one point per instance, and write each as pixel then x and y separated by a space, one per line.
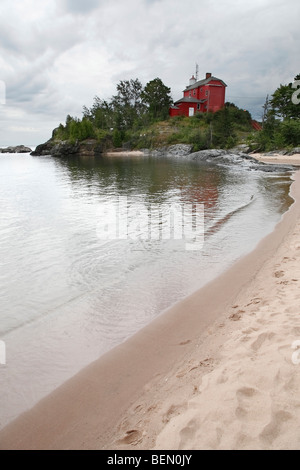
pixel 200 97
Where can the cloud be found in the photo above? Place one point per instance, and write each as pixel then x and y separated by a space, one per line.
pixel 80 6
pixel 55 56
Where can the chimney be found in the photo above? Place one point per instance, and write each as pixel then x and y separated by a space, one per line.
pixel 208 75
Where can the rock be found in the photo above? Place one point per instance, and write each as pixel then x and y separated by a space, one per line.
pixel 43 149
pixel 87 148
pixel 208 154
pixel 244 148
pixel 294 151
pixel 177 150
pixel 17 149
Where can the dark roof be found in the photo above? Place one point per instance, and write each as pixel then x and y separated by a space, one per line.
pixel 189 99
pixel 204 82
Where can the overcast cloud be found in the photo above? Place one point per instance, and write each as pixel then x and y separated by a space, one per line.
pixel 56 55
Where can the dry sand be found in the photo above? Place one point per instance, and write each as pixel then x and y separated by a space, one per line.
pixel 123 153
pixel 216 371
pixel 278 158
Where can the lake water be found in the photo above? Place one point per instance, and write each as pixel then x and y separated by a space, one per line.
pixel 72 287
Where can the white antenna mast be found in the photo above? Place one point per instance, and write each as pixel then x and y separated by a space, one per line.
pixel 197 71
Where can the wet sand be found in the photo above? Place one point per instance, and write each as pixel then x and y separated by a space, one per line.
pixel 215 371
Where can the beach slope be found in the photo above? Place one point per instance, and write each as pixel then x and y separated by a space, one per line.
pixel 215 371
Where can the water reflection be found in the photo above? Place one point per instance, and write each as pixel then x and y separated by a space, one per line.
pixel 67 296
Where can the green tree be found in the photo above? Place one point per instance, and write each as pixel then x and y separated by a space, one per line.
pixel 290 132
pixel 157 98
pixel 281 119
pixel 117 138
pixel 223 126
pixel 100 114
pixel 86 129
pixel 281 102
pixel 127 105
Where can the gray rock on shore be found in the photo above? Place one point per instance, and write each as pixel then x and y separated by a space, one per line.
pixel 177 150
pixel 88 148
pixel 16 149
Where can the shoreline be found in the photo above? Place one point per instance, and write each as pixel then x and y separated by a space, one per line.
pixel 123 153
pixel 105 404
pixel 273 157
pixel 277 158
pixel 236 387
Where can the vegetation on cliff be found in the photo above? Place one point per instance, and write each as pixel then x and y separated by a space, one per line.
pixel 131 109
pixel 281 119
pixel 137 117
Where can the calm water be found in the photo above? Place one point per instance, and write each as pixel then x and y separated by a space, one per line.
pixel 67 295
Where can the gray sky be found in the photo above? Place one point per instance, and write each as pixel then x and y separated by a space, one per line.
pixel 56 55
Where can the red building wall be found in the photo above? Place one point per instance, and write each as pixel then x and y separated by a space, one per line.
pixel 183 109
pixel 212 92
pixel 216 98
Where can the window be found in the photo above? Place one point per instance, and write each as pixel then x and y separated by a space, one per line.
pixel 206 92
pixel 194 92
pixel 198 106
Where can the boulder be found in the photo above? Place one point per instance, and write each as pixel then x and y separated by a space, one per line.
pixel 87 148
pixel 17 149
pixel 295 151
pixel 241 148
pixel 43 149
pixel 177 150
pixel 208 154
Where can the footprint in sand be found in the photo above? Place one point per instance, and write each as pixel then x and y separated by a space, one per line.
pixel 138 408
pixel 256 345
pixel 174 410
pixel 279 273
pixel 188 432
pixel 244 397
pixel 255 301
pixel 133 436
pixel 272 430
pixel 236 316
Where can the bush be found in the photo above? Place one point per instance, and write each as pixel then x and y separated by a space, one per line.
pixel 290 132
pixel 117 138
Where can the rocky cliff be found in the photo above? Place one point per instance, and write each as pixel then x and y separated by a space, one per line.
pixel 88 148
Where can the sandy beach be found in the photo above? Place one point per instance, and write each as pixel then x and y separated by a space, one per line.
pixel 218 370
pixel 277 158
pixel 123 153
